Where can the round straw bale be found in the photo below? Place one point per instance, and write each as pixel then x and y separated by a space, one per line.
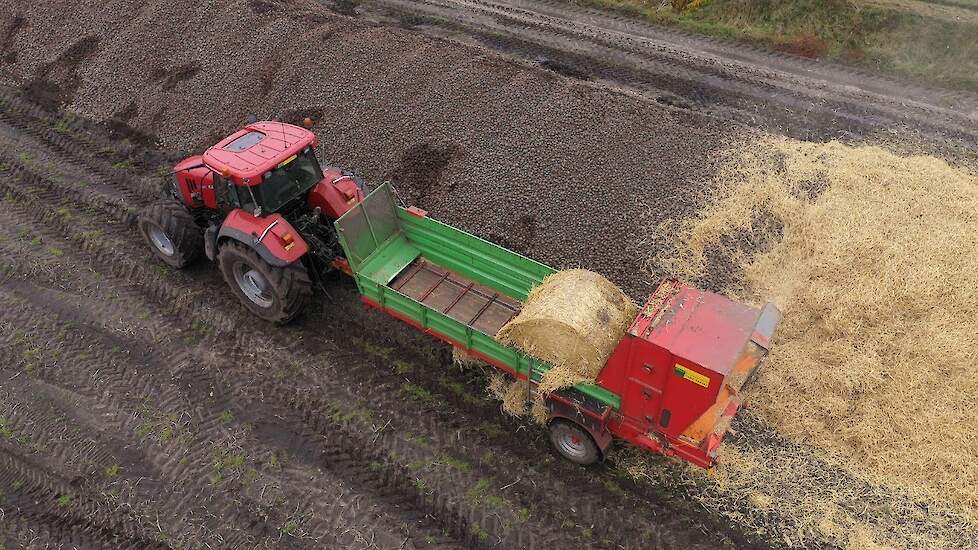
pixel 574 320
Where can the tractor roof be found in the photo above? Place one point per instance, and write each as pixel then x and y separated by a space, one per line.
pixel 256 149
pixel 702 327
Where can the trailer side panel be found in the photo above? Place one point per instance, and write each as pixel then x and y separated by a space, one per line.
pixel 443 281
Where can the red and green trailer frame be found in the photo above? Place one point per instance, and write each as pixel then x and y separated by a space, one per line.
pixel 672 385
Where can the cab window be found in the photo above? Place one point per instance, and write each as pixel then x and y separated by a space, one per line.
pixel 245 199
pixel 223 192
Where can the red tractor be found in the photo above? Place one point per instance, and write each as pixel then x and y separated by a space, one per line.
pixel 256 203
pixel 259 203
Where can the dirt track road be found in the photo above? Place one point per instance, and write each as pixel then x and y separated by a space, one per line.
pixel 138 410
pixel 802 98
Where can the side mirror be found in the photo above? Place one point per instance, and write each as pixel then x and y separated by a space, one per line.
pixel 251 119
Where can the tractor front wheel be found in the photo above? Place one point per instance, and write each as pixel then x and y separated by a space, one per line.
pixel 171 233
pixel 573 442
pixel 276 294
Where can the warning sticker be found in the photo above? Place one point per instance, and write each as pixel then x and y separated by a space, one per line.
pixel 693 376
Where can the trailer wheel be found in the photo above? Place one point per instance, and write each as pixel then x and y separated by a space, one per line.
pixel 573 442
pixel 171 233
pixel 275 294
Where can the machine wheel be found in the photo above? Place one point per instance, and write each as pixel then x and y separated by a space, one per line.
pixel 573 442
pixel 276 294
pixel 171 233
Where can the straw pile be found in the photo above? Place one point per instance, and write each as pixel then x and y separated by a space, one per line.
pixel 573 320
pixel 872 257
pixel 512 394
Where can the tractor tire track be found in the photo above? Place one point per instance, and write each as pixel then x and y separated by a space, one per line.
pixel 94 358
pixel 71 139
pixel 32 512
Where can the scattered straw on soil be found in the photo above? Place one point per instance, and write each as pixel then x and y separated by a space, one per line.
pixel 786 492
pixel 573 320
pixel 463 360
pixel 872 258
pixel 512 394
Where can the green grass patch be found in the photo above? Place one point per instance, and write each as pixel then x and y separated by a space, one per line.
pixel 614 488
pixel 890 40
pixel 491 429
pixel 275 461
pixel 61 127
pixel 379 351
pixel 478 531
pixel 403 367
pixel 419 394
pixel 5 431
pixel 347 413
pixel 289 527
pixel 161 428
pixel 480 493
pixel 113 471
pixel 456 463
pixel 198 331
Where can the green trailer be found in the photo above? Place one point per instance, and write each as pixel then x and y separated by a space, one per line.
pixel 444 281
pixel 671 386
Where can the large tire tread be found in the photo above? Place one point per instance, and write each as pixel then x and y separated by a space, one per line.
pixel 292 284
pixel 186 236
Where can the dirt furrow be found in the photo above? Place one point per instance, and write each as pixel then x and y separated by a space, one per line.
pixel 34 516
pixel 69 138
pixel 192 449
pixel 99 376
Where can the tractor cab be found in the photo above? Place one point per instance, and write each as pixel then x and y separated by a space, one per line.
pixel 260 204
pixel 262 168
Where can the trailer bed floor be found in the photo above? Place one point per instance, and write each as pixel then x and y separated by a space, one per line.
pixel 462 299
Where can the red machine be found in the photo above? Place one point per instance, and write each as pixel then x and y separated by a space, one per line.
pixel 679 370
pixel 256 203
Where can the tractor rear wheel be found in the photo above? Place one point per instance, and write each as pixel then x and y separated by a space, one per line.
pixel 171 233
pixel 275 294
pixel 573 442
